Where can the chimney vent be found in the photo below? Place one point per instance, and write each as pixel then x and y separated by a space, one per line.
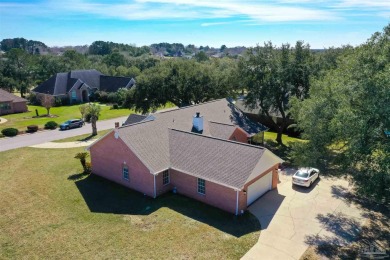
pixel 197 122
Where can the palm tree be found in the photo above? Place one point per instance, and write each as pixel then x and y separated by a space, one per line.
pixel 82 157
pixel 94 112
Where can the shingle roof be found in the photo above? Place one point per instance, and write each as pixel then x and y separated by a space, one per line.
pixel 220 130
pixel 5 96
pixel 112 84
pixel 220 161
pixel 256 111
pixel 61 83
pixel 134 118
pixel 149 139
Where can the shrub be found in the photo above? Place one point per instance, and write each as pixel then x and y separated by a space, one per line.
pixel 32 128
pixel 115 106
pixel 102 97
pixel 57 101
pixel 51 125
pixel 10 131
pixel 33 99
pixel 88 168
pixel 112 97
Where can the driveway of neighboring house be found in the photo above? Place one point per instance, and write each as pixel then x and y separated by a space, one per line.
pixel 292 218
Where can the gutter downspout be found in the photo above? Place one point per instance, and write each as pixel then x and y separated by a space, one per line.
pixel 154 184
pixel 237 203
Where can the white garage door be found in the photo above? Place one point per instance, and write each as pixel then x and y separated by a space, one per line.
pixel 258 188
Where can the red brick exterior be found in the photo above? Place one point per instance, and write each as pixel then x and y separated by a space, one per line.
pixel 239 135
pixel 108 157
pixel 19 107
pixel 216 195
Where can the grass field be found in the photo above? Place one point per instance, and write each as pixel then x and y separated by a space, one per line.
pixel 49 210
pixel 83 137
pixel 22 120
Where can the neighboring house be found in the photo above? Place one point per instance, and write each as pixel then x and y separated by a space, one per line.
pixel 200 151
pixel 9 103
pixel 257 116
pixel 78 85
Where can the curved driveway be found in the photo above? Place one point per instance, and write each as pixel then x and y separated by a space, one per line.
pixel 292 218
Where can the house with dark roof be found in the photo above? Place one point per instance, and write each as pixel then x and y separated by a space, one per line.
pixel 10 103
pixel 199 151
pixel 78 85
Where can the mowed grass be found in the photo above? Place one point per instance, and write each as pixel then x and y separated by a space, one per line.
pixel 51 211
pixel 80 138
pixel 63 113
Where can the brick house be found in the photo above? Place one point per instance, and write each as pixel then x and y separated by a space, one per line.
pixel 10 104
pixel 199 151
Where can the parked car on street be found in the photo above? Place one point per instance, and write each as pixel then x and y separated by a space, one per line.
pixel 305 176
pixel 73 123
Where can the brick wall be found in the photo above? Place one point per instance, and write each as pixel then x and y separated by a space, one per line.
pixel 239 135
pixel 108 157
pixel 216 195
pixel 19 107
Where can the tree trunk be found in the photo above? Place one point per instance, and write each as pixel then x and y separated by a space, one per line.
pixel 279 135
pixel 94 128
pixel 48 111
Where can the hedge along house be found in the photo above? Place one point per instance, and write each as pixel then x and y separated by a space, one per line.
pixel 78 85
pixel 10 104
pixel 199 151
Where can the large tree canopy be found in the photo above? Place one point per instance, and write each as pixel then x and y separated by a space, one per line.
pixel 271 76
pixel 347 115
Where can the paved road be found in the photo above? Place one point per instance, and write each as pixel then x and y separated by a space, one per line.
pixel 292 218
pixel 51 135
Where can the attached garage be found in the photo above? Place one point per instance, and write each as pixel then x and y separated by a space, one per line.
pixel 258 188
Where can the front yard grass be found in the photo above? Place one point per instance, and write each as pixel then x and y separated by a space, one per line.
pixel 63 113
pixel 50 210
pixel 80 138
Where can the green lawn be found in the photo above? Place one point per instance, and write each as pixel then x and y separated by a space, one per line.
pixel 83 137
pixel 22 120
pixel 52 211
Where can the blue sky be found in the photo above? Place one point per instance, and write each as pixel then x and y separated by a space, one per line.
pixel 200 22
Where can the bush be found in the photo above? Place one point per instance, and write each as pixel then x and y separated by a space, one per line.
pixel 10 131
pixel 51 125
pixel 88 168
pixel 33 99
pixel 32 128
pixel 57 101
pixel 102 97
pixel 115 106
pixel 112 97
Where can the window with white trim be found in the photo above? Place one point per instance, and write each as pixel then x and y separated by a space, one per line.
pixel 166 178
pixel 201 186
pixel 125 172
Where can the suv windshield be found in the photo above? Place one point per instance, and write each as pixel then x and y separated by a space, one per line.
pixel 301 174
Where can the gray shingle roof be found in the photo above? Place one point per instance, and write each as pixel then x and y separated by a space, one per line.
pixel 134 118
pixel 112 84
pixel 5 96
pixel 150 139
pixel 220 161
pixel 219 130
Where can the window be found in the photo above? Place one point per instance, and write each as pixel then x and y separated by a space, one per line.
pixel 166 179
pixel 5 106
pixel 74 96
pixel 201 186
pixel 125 172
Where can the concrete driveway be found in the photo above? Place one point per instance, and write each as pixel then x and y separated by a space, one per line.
pixel 292 218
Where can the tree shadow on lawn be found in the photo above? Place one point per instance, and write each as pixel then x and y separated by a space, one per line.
pixel 104 196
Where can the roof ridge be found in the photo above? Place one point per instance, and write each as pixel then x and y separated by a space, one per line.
pixel 220 139
pixel 215 122
pixel 189 106
pixel 143 121
pixel 116 76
